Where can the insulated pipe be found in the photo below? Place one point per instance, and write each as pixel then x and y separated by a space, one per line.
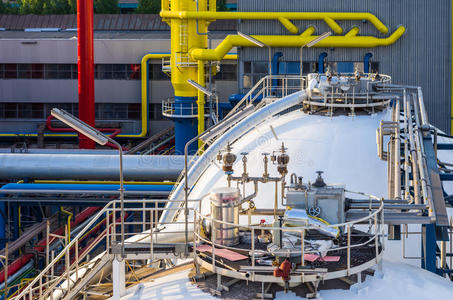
pixel 274 68
pixel 85 60
pixel 219 144
pixel 321 58
pixel 294 41
pixel 90 167
pixel 366 62
pixel 329 17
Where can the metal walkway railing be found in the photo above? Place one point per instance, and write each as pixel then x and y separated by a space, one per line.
pixel 72 269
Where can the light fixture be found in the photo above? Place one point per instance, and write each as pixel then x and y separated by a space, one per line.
pixel 251 39
pixel 311 44
pixel 101 139
pixel 80 126
pixel 200 88
pixel 318 39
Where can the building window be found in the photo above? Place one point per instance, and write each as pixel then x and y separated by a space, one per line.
pixel 155 72
pixel 133 111
pixel 10 71
pixel 155 112
pixel 227 72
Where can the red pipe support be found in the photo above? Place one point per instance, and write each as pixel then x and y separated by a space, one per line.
pixel 85 61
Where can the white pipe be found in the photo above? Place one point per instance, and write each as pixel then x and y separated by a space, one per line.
pixel 231 135
pixel 89 166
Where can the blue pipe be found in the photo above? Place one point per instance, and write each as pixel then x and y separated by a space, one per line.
pixel 274 67
pixel 321 58
pixel 366 62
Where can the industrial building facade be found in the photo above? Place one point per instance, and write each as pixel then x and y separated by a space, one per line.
pixel 422 56
pixel 38 70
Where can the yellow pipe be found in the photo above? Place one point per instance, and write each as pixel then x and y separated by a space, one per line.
pixel 328 17
pixel 201 101
pixel 289 25
pixel 144 102
pixel 70 214
pixel 308 32
pixel 451 85
pixel 295 41
pixel 105 182
pixel 353 32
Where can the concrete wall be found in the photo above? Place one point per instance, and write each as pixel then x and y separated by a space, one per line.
pixel 422 56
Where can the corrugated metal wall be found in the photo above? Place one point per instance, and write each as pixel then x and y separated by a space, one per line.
pixel 422 56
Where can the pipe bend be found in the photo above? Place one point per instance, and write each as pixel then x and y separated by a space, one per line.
pixel 288 25
pixel 308 32
pixel 394 36
pixel 333 25
pixel 377 23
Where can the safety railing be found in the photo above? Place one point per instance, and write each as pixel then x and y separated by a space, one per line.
pixel 375 220
pixel 65 271
pixel 171 109
pixel 271 86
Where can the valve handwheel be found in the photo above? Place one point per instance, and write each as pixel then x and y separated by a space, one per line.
pixel 314 211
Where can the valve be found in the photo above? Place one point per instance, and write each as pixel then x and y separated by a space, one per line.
pixel 244 162
pixel 282 161
pixel 319 180
pixel 228 160
pixel 266 161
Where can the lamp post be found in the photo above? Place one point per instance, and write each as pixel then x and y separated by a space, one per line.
pixel 311 44
pixel 101 139
pixel 259 44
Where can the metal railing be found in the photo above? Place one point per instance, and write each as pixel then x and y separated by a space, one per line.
pixel 271 86
pixel 375 220
pixel 171 109
pixel 62 274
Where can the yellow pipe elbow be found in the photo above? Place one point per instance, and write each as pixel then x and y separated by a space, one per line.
pixel 308 32
pixel 144 88
pixel 70 214
pixel 394 36
pixel 353 32
pixel 333 25
pixel 376 22
pixel 289 25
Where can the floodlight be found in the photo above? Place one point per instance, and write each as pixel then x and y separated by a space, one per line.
pixel 80 126
pixel 251 39
pixel 200 88
pixel 318 39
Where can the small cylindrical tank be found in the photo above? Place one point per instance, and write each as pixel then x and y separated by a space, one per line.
pixel 225 202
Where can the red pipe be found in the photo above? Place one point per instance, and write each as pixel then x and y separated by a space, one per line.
pixel 85 61
pixel 82 216
pixel 115 131
pixel 24 259
pixel 16 266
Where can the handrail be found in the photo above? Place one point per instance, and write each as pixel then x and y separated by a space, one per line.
pixel 372 217
pixel 46 283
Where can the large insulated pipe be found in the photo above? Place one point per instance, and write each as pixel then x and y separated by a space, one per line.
pixel 85 61
pixel 90 167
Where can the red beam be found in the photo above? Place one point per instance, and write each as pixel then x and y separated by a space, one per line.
pixel 85 61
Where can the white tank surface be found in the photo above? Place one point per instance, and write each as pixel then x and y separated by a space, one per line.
pixel 343 146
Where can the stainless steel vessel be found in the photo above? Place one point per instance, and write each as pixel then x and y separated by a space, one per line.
pixel 225 202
